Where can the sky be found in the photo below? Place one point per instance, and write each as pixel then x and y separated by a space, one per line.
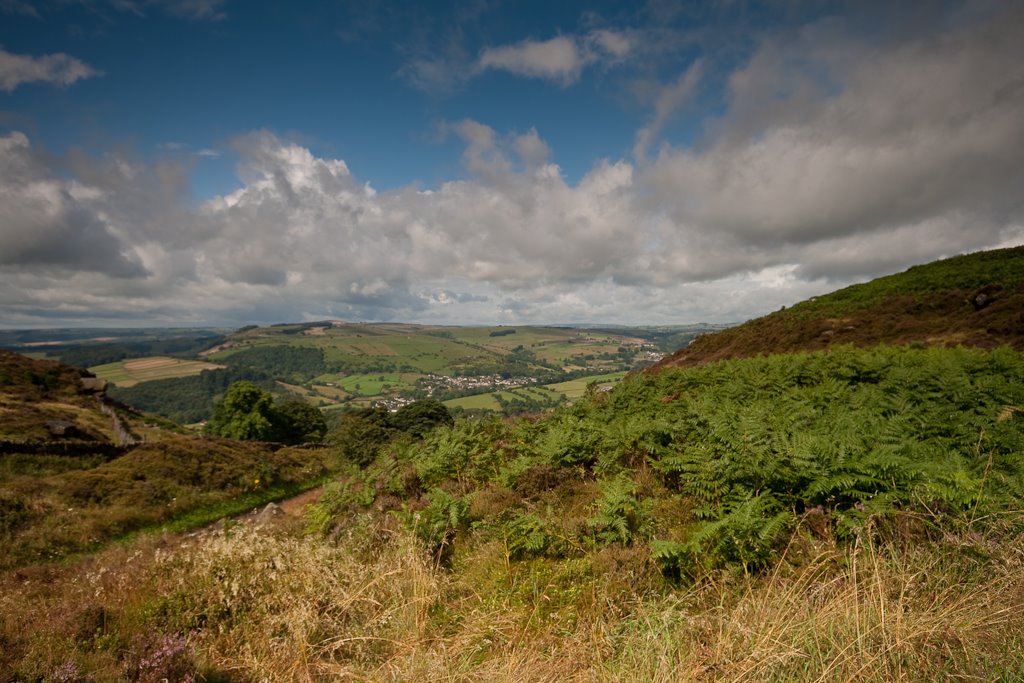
pixel 228 162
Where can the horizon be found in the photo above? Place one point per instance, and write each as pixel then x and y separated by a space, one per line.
pixel 213 163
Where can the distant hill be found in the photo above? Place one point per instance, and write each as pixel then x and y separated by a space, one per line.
pixel 973 300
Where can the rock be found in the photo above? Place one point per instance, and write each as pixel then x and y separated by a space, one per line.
pixel 268 513
pixel 985 296
pixel 93 385
pixel 62 429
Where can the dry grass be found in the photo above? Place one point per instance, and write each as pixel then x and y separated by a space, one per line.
pixel 268 604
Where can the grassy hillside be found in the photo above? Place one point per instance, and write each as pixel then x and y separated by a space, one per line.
pixel 972 300
pixel 69 482
pixel 840 516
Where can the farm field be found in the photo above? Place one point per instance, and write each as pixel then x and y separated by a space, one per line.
pixel 557 392
pixel 439 350
pixel 577 387
pixel 128 373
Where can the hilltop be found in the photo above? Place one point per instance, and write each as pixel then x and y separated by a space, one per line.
pixel 972 300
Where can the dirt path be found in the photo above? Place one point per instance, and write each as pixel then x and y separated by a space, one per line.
pixel 297 505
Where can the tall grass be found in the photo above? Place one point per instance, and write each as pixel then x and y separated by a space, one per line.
pixel 263 603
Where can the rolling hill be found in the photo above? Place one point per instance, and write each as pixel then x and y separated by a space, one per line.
pixel 972 300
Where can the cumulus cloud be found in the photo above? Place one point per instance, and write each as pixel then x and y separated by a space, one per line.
pixel 833 161
pixel 47 222
pixel 863 138
pixel 59 69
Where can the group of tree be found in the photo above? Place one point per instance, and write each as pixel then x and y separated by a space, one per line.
pixel 294 363
pixel 249 412
pixel 359 434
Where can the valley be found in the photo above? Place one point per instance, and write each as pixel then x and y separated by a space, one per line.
pixel 810 507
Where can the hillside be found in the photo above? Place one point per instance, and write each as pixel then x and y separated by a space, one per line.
pixel 77 470
pixel 972 300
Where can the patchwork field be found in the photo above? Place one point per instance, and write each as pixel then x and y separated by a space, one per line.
pixel 333 364
pixel 558 392
pixel 128 373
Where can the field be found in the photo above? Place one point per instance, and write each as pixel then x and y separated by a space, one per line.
pixel 128 373
pixel 440 350
pixel 577 387
pixel 557 392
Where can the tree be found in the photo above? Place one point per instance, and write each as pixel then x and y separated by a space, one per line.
pixel 299 422
pixel 245 413
pixel 360 434
pixel 420 417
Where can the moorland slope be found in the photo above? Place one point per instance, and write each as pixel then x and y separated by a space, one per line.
pixel 972 300
pixel 78 470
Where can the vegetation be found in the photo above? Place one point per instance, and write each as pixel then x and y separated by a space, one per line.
pixel 359 435
pixel 971 300
pixel 69 485
pixel 803 517
pixel 248 413
pixel 842 514
pixel 188 399
pixel 283 362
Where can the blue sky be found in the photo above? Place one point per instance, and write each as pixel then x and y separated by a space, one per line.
pixel 227 162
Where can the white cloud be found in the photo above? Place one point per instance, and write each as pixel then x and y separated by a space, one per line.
pixel 558 59
pixel 834 161
pixel 614 44
pixel 59 69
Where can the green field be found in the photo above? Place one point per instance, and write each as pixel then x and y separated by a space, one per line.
pixel 577 387
pixel 128 373
pixel 477 402
pixel 570 390
pixel 438 350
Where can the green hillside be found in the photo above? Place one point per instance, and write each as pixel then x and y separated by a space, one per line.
pixel 338 365
pixel 971 300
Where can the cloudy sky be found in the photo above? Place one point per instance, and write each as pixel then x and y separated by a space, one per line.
pixel 176 162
